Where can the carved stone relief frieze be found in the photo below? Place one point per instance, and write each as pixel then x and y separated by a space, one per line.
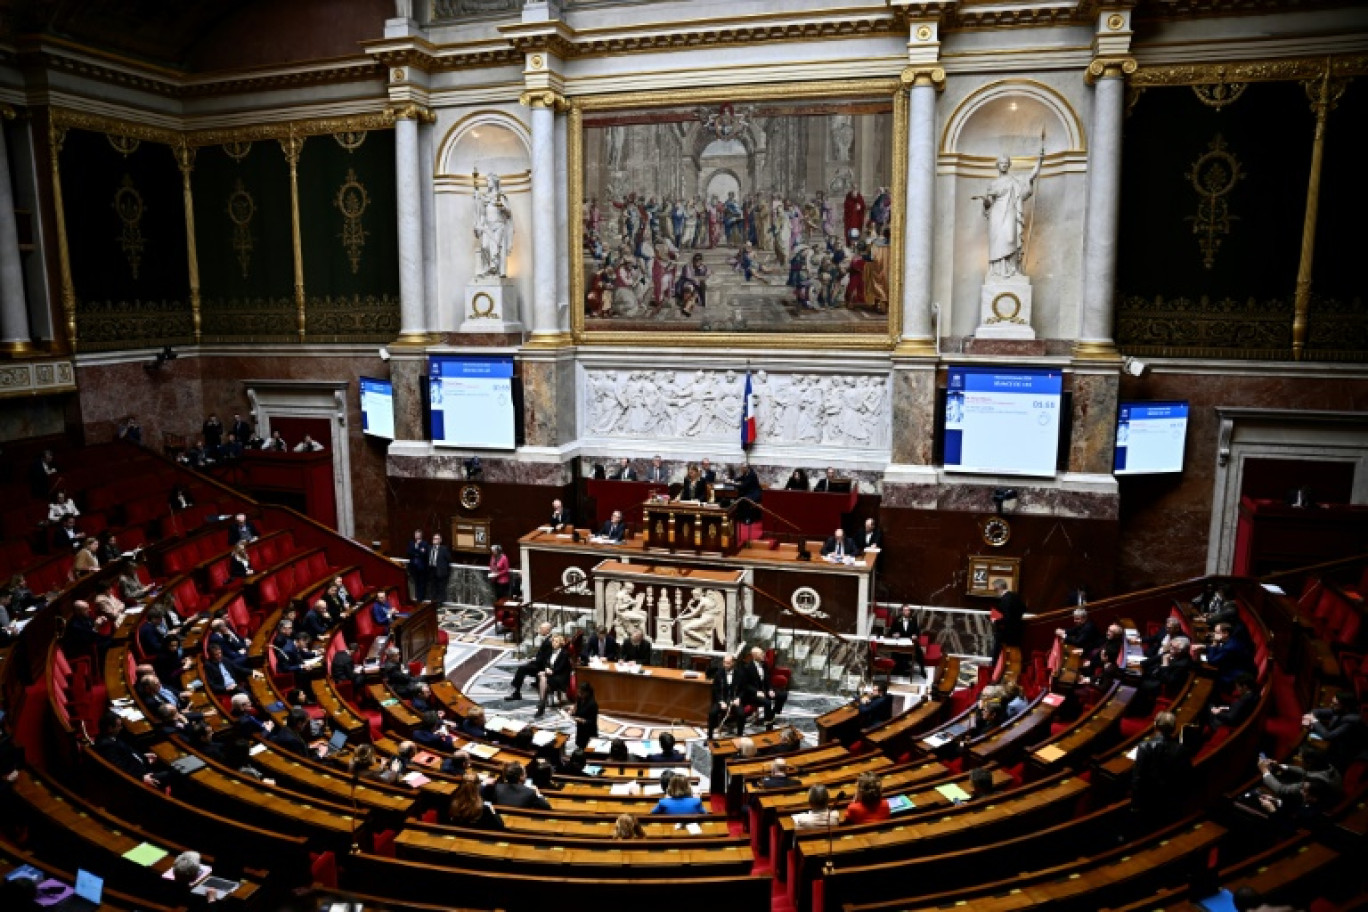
pixel 706 406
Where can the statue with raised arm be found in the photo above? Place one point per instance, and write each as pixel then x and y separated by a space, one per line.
pixel 493 228
pixel 1004 208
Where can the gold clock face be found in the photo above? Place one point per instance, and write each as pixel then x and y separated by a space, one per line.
pixel 470 496
pixel 996 531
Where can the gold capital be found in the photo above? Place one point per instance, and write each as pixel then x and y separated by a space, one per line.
pixel 1110 68
pixel 413 111
pixel 924 76
pixel 542 98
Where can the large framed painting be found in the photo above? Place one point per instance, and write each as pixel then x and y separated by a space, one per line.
pixel 762 217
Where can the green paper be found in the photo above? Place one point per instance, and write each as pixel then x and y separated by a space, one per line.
pixel 145 854
pixel 953 792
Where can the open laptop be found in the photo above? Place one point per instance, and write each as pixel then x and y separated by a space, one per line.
pixel 336 744
pixel 86 898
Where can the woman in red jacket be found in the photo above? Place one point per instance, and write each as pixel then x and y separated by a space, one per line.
pixel 498 572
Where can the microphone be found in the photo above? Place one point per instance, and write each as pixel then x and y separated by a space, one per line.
pixel 830 866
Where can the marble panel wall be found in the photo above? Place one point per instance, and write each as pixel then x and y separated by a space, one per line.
pixel 1165 519
pixel 1094 422
pixel 914 397
pixel 165 401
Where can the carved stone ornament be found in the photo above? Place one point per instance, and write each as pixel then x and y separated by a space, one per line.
pixel 705 406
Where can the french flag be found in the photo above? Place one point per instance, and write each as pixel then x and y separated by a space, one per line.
pixel 748 415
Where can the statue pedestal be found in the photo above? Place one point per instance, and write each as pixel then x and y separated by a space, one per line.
pixel 1005 309
pixel 491 306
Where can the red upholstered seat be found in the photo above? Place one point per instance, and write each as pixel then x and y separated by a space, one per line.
pixel 323 869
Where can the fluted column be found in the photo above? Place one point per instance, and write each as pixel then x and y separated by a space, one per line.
pixel 1102 219
pixel 545 325
pixel 426 166
pixel 918 251
pixel 412 286
pixel 562 225
pixel 15 334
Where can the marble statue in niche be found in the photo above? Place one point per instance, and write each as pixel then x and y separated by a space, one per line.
pixel 626 610
pixel 493 227
pixel 1004 205
pixel 702 405
pixel 703 619
pixel 842 137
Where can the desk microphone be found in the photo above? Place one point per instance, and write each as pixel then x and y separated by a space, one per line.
pixel 830 866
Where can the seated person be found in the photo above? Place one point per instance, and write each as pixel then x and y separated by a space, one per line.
pixel 284 633
pixel 1290 783
pixel 1228 655
pixel 87 561
pixel 299 656
pixel 239 562
pixel 293 735
pixel 308 445
pixel 778 776
pixel 819 814
pixel 131 588
pixel 276 444
pixel 601 645
pixel 1167 674
pixel 554 676
pixel 82 635
pixel 1016 700
pixel 829 483
pixel 623 471
pixel 637 649
pixel 108 550
pixel 315 621
pixel 1240 707
pixel 66 537
pixel 61 507
pixel 668 753
pixel 1082 634
pixel 614 530
pixel 1339 728
pixel 511 790
pixel 836 547
pixel 626 827
pixel 798 481
pixel 694 487
pixel 431 732
pixel 244 718
pixel 530 668
pixel 679 798
pixel 469 810
pixel 113 745
pixel 1104 665
pixel 404 685
pixel 474 723
pixel 1155 643
pixel 657 473
pixel 220 675
pixel 980 783
pixel 869 803
pixel 760 689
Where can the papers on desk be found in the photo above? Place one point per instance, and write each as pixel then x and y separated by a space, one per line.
pixel 1053 699
pixel 1276 590
pixel 938 740
pixel 1133 753
pixel 415 780
pixel 598 745
pixel 692 829
pixel 953 792
pixel 129 713
pixel 900 803
pixel 423 758
pixel 145 854
pixel 593 770
pixel 204 871
pixel 597 662
pixel 652 790
pixel 543 738
pixel 624 788
pixel 483 751
pixel 499 723
pixel 256 749
pixel 1049 753
pixel 639 749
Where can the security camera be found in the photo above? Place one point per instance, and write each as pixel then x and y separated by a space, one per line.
pixel 1135 367
pixel 384 353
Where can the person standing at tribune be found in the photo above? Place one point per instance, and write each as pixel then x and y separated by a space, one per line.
pixel 418 553
pixel 439 569
pixel 560 516
pixel 1008 618
pixel 748 488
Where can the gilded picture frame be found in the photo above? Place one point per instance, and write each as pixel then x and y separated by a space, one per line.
pixel 724 112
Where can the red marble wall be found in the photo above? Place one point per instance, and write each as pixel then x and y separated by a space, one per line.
pixel 1165 519
pixel 164 401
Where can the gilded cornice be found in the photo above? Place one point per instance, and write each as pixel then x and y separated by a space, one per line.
pixel 1292 68
pixel 65 118
pixel 925 74
pixel 410 111
pixel 425 56
pixel 1152 10
pixel 98 66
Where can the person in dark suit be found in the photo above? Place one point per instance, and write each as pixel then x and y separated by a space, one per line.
pixel 43 476
pixel 1166 675
pixel 510 791
pixel 837 547
pixel 668 753
pixel 827 483
pixel 657 473
pixel 602 644
pixel 1008 618
pixel 218 674
pixel 637 649
pixel 560 516
pixel 760 689
pixel 554 676
pixel 727 689
pixel 904 627
pixel 1161 775
pixel 290 736
pixel 297 655
pixel 242 530
pixel 615 530
pixel 1340 726
pixel 1229 656
pixel 1241 707
pixel 876 707
pixel 439 569
pixel 113 746
pixel 706 471
pixel 536 664
pixel 779 776
pixel 694 487
pixel 1082 634
pixel 240 429
pixel 66 537
pixel 748 488
pixel 585 715
pixel 239 562
pixel 624 471
pixel 798 481
pixel 418 552
pixel 870 537
pixel 82 636
pixel 315 621
pixel 212 431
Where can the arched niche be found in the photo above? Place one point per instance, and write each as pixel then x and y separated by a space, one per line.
pixel 491 142
pixel 1007 117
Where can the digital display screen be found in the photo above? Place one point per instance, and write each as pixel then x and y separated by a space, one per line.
pixel 1002 421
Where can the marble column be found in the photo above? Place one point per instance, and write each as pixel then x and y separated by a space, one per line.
pixel 544 268
pixel 1103 212
pixel 562 224
pixel 917 326
pixel 426 164
pixel 14 322
pixel 1093 438
pixel 412 306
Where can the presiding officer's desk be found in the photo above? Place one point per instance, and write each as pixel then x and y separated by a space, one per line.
pixel 840 591
pixel 661 694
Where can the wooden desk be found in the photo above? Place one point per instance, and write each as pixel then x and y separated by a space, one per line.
pixel 690 528
pixel 844 589
pixel 814 513
pixel 662 695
